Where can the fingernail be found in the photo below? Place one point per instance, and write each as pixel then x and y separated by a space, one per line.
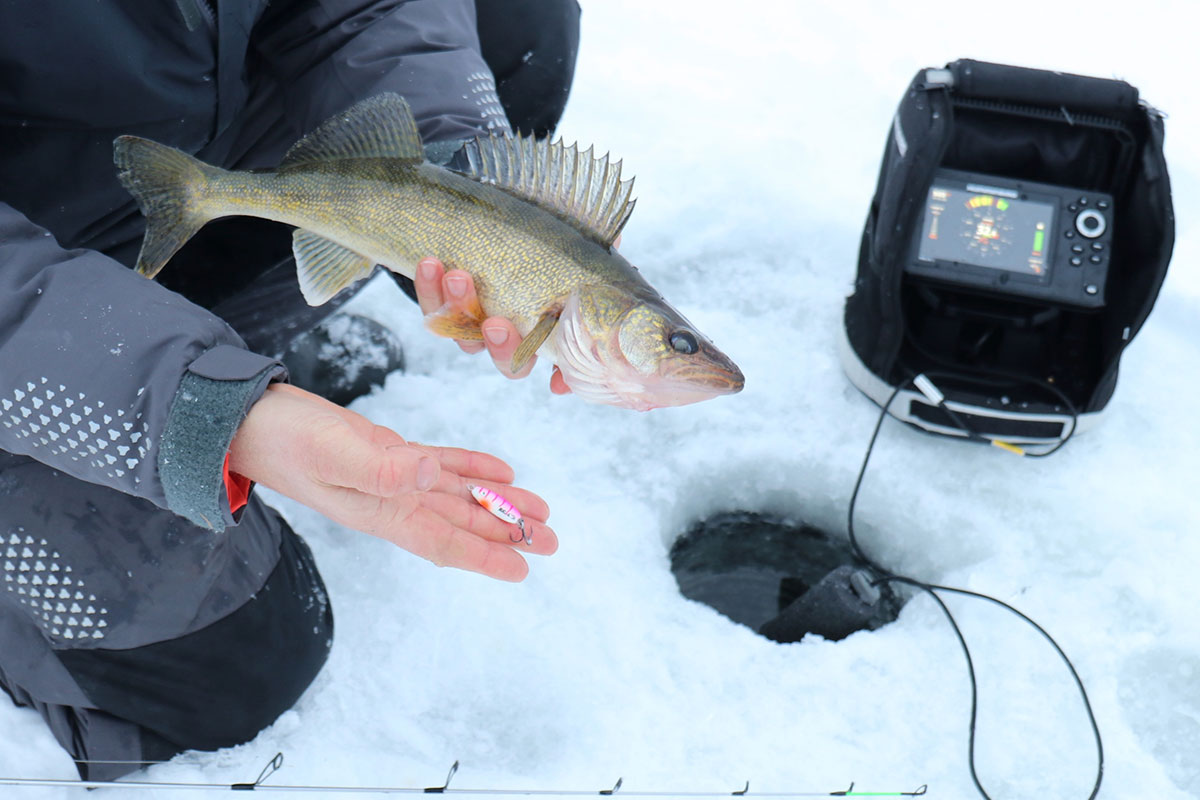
pixel 427 474
pixel 429 268
pixel 496 334
pixel 456 286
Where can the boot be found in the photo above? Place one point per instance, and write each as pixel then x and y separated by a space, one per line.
pixel 344 357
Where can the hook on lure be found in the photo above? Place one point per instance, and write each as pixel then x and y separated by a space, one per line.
pixel 503 509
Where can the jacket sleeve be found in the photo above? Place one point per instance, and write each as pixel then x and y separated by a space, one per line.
pixel 326 55
pixel 115 380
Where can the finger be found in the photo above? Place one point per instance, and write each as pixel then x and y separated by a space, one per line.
pixel 407 523
pixel 468 515
pixel 342 457
pixel 431 537
pixel 502 340
pixel 558 384
pixel 458 293
pixel 461 468
pixel 469 463
pixel 458 289
pixel 428 283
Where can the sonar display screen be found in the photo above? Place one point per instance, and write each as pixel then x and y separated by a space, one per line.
pixel 986 229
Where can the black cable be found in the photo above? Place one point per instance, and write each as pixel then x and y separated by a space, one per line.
pixel 996 377
pixel 887 576
pixel 1010 377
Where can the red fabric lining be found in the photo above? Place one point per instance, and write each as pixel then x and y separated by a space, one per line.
pixel 237 487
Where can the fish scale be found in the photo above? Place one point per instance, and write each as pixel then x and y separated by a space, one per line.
pixel 517 272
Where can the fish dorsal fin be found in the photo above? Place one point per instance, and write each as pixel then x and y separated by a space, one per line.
pixel 585 190
pixel 378 127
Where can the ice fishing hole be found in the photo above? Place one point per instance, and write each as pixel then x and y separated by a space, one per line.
pixel 781 578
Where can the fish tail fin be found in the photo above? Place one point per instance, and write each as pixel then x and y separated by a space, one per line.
pixel 164 181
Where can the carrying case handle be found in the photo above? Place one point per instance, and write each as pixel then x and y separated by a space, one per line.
pixel 1004 83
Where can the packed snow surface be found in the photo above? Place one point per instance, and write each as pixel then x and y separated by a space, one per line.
pixel 755 131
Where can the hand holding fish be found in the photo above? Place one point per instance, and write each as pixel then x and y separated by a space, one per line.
pixel 369 478
pixel 437 288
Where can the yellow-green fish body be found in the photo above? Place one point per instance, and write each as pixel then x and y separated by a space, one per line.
pixel 533 223
pixel 520 257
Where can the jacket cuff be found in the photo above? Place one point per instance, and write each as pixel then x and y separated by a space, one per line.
pixel 212 400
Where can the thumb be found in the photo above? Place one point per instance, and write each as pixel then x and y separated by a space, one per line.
pixel 350 460
pixel 292 439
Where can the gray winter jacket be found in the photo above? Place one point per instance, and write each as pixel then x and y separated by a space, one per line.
pixel 107 376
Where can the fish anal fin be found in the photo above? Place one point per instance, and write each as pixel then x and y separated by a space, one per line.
pixel 325 267
pixel 533 340
pixel 457 322
pixel 575 185
pixel 378 127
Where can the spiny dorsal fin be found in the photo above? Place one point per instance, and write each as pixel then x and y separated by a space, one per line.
pixel 378 127
pixel 586 190
pixel 325 267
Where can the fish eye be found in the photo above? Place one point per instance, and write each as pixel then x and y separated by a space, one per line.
pixel 684 342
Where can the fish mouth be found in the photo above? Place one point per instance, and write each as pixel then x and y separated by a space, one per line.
pixel 645 395
pixel 721 376
pixel 692 384
pixel 672 396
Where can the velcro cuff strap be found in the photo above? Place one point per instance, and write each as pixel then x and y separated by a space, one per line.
pixel 228 363
pixel 212 400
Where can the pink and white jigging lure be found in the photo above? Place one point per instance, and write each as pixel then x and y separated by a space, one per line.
pixel 502 509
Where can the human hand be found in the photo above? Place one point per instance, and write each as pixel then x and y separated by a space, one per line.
pixel 436 287
pixel 367 477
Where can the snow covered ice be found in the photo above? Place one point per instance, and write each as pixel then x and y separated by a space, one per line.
pixel 755 132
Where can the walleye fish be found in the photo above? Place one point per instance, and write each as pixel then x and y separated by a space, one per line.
pixel 532 222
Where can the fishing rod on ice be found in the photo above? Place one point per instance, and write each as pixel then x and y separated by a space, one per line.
pixel 923 382
pixel 259 785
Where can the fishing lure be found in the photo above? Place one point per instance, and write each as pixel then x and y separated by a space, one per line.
pixel 502 509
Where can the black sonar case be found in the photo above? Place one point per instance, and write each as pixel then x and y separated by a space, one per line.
pixel 1017 240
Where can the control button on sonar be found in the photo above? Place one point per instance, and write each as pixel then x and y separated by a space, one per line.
pixel 1091 223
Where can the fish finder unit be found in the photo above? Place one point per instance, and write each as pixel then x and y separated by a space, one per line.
pixel 1019 238
pixel 1019 234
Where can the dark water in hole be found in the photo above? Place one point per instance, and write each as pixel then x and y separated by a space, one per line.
pixel 751 566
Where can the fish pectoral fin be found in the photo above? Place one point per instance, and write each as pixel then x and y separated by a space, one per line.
pixel 457 322
pixel 325 267
pixel 533 340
